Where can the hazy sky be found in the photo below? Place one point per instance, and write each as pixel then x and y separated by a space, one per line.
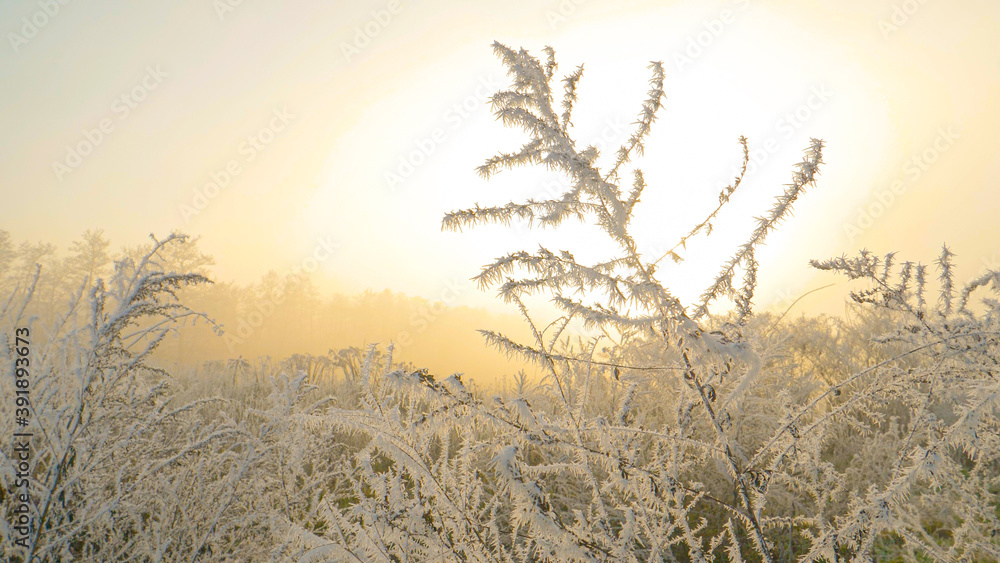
pixel 119 115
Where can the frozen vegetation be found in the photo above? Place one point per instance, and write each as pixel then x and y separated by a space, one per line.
pixel 678 435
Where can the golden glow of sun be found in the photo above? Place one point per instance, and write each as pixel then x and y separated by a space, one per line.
pixel 720 84
pixel 411 105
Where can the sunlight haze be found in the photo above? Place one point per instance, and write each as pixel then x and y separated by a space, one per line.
pixel 334 135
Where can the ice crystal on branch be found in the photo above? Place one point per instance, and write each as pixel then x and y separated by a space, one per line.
pixel 631 302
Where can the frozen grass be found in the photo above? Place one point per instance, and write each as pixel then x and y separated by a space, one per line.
pixel 678 435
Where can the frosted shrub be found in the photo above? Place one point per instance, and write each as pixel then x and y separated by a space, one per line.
pixel 99 414
pixel 936 400
pixel 640 481
pixel 119 468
